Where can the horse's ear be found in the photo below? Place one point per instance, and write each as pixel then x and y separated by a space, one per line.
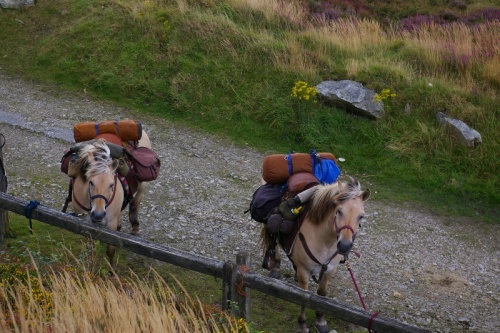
pixel 340 185
pixel 366 194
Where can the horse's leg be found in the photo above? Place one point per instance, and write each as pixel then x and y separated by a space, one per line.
pixel 110 251
pixel 272 258
pixel 303 281
pixel 113 224
pixel 320 324
pixel 133 209
pixel 275 263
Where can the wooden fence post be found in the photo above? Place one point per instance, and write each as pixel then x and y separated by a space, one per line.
pixel 236 294
pixel 227 273
pixel 4 216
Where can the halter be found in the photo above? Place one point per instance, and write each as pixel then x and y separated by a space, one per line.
pixel 338 230
pixel 313 258
pixel 97 196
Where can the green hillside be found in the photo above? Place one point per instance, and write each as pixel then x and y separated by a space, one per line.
pixel 229 67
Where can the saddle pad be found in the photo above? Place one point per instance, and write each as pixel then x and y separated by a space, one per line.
pixel 299 182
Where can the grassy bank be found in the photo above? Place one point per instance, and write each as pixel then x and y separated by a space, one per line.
pixel 229 67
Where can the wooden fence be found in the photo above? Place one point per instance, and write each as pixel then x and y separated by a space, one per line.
pixel 230 273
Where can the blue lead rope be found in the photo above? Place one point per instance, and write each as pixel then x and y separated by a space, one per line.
pixel 28 210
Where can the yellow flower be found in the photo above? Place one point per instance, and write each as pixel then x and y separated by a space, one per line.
pixel 302 90
pixel 384 94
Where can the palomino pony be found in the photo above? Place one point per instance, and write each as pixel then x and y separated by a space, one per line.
pixel 325 236
pixel 98 191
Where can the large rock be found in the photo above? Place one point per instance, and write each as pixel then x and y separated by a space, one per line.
pixel 460 130
pixel 351 96
pixel 16 3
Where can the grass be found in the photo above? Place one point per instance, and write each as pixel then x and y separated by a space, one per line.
pixel 67 300
pixel 51 279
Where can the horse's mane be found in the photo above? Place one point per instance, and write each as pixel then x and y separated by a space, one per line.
pixel 95 158
pixel 327 197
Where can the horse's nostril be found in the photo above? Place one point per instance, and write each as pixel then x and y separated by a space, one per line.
pixel 97 216
pixel 344 247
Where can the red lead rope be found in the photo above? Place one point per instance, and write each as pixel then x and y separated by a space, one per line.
pixel 361 298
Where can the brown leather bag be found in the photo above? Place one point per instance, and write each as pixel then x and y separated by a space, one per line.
pixel 145 163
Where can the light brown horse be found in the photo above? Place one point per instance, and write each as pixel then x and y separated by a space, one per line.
pixel 98 191
pixel 325 236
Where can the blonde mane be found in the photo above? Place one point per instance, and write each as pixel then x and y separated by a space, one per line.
pixel 95 159
pixel 327 197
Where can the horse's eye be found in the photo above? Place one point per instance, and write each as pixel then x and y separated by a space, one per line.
pixel 339 213
pixel 111 186
pixel 91 183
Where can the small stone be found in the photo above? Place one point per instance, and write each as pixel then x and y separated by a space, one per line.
pixel 397 294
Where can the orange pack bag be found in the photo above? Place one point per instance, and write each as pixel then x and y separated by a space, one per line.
pixel 278 167
pixel 127 130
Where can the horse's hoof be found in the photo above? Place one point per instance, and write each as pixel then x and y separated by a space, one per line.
pixel 135 232
pixel 275 275
pixel 321 328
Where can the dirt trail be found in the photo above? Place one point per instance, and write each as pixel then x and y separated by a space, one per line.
pixel 431 271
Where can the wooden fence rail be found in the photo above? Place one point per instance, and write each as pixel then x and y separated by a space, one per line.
pixel 225 271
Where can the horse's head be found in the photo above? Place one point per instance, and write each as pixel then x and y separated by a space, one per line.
pixel 99 172
pixel 349 212
pixel 340 205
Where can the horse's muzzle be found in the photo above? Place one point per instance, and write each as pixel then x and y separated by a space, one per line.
pixel 97 217
pixel 344 247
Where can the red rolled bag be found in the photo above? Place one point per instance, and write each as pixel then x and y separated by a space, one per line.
pixel 127 130
pixel 277 168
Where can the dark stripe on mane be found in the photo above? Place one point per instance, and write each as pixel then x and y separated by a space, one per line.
pixel 95 159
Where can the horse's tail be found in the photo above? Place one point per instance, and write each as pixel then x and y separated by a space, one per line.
pixel 265 238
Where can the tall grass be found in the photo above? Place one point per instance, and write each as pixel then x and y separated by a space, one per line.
pixel 84 303
pixel 458 52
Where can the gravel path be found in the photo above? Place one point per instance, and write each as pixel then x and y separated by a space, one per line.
pixel 427 270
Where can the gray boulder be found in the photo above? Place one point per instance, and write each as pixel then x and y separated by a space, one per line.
pixel 466 135
pixel 351 96
pixel 16 3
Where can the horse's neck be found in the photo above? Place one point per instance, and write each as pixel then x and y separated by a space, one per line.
pixel 321 237
pixel 81 193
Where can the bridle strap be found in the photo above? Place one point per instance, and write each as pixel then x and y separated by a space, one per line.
pixel 338 230
pixel 76 199
pixel 313 258
pixel 106 200
pixel 92 197
pixel 97 196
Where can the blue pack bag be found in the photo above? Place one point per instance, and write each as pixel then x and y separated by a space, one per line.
pixel 326 170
